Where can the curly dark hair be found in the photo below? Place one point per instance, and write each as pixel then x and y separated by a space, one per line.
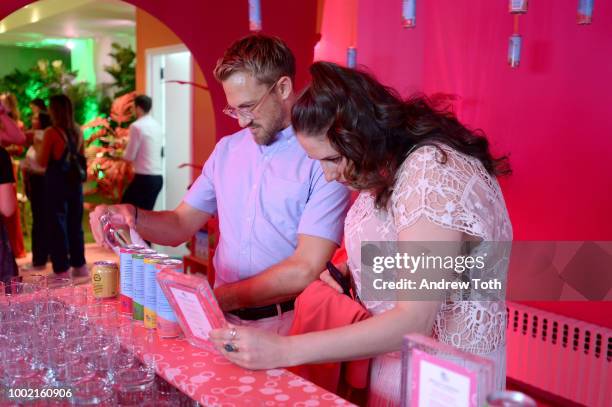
pixel 375 130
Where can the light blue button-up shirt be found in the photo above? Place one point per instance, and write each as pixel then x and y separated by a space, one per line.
pixel 264 196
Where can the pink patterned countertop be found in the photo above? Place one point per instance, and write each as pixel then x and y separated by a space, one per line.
pixel 210 379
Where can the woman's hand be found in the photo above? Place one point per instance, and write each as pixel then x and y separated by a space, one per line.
pixel 329 280
pixel 253 348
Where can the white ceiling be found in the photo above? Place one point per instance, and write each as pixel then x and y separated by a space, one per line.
pixel 69 19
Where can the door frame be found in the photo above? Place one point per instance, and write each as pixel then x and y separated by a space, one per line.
pixel 150 54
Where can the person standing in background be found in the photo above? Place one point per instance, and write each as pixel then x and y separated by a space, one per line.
pixel 10 103
pixel 40 116
pixel 8 204
pixel 13 139
pixel 144 151
pixel 10 129
pixel 64 195
pixel 34 183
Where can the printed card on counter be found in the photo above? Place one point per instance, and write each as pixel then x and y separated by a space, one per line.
pixel 194 304
pixel 435 374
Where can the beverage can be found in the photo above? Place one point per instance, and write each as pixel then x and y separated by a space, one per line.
pixel 125 277
pixel 138 282
pixel 167 323
pixel 105 279
pixel 150 289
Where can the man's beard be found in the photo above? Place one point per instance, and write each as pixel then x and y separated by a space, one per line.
pixel 266 136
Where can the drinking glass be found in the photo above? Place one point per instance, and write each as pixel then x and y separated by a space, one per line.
pixel 116 233
pixel 135 387
pixel 60 288
pixel 93 393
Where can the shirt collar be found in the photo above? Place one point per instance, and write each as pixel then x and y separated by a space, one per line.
pixel 283 137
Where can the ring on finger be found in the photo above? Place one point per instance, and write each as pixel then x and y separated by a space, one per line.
pixel 230 347
pixel 233 333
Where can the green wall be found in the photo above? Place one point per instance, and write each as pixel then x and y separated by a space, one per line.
pixel 24 58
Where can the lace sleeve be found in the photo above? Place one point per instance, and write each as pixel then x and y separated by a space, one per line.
pixel 430 185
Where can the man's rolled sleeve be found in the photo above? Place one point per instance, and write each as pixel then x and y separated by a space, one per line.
pixel 202 194
pixel 325 210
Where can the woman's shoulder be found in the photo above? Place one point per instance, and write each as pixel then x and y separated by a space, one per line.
pixel 436 153
pixel 434 172
pixel 438 160
pixel 52 131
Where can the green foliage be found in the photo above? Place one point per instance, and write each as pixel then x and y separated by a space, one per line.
pixel 47 79
pixel 123 70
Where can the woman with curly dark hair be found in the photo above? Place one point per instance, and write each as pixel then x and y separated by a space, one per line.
pixel 422 177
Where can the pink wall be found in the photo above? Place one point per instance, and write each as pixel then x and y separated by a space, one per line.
pixel 553 114
pixel 338 30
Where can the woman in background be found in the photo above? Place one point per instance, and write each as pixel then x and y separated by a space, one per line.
pixel 40 116
pixel 13 139
pixel 10 103
pixel 10 130
pixel 8 204
pixel 64 196
pixel 422 177
pixel 34 183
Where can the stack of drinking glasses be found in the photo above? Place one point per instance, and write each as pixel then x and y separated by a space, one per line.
pixel 59 346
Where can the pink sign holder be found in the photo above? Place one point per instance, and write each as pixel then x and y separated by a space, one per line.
pixel 194 304
pixel 434 373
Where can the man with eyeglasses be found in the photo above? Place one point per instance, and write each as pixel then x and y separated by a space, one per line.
pixel 280 221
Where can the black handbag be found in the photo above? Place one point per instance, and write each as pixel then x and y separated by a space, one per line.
pixel 75 163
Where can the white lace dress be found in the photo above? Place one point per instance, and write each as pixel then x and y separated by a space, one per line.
pixel 459 195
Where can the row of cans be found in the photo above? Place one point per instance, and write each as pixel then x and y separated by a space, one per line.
pixel 140 295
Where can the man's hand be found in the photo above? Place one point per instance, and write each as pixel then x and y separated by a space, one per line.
pixel 120 215
pixel 282 281
pixel 329 280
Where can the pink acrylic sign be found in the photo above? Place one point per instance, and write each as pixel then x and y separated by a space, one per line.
pixel 194 304
pixel 438 382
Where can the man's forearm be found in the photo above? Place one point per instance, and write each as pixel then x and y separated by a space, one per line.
pixel 281 282
pixel 161 227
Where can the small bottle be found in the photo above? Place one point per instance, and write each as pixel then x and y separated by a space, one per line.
pixel 585 12
pixel 409 13
pixel 255 15
pixel 514 50
pixel 351 57
pixel 517 6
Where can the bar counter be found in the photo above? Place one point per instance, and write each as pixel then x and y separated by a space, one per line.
pixel 210 379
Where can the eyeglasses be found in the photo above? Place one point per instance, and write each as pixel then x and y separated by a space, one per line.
pixel 247 113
